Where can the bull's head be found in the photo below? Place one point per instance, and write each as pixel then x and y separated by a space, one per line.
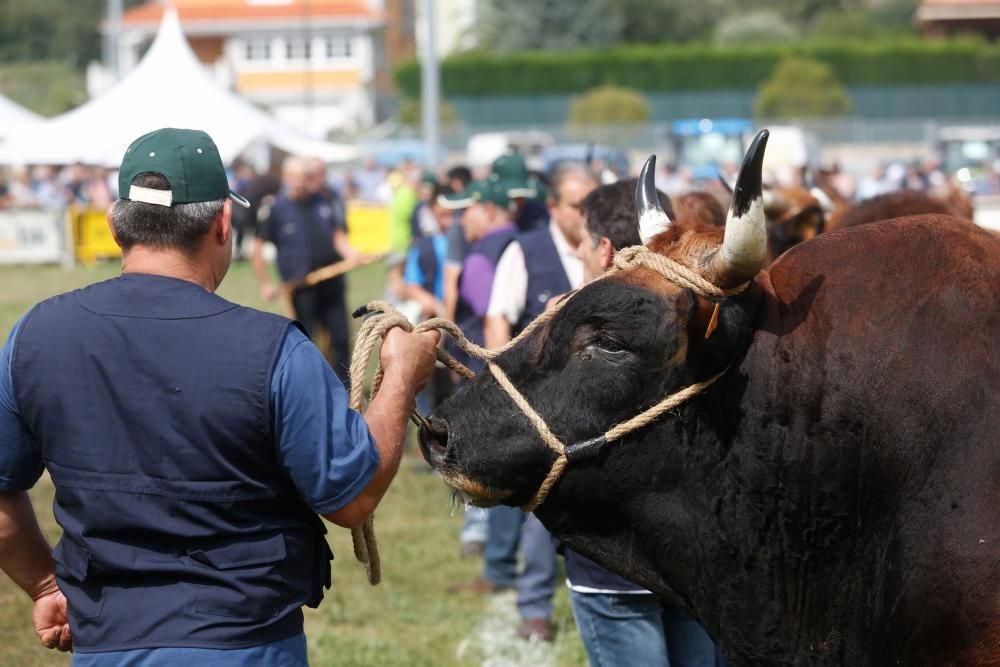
pixel 617 346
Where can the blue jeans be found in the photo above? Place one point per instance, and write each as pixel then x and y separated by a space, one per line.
pixel 537 583
pixel 510 528
pixel 640 630
pixel 503 536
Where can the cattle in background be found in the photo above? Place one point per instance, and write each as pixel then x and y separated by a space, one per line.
pixel 892 205
pixel 794 215
pixel 832 498
pixel 701 206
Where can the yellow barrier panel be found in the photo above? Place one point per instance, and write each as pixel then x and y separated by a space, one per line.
pixel 368 227
pixel 92 239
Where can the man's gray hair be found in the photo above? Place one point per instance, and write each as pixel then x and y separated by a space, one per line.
pixel 180 226
pixel 566 171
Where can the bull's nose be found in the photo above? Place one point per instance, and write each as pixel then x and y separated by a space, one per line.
pixel 433 436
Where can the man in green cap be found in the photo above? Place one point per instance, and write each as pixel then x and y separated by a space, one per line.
pixel 193 443
pixel 524 189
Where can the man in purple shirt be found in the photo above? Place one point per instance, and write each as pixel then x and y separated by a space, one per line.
pixel 488 228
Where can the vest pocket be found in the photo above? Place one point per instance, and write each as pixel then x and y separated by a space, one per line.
pixel 73 566
pixel 244 553
pixel 248 579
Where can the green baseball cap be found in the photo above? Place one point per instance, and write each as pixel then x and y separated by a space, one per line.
pixel 188 159
pixel 484 190
pixel 512 171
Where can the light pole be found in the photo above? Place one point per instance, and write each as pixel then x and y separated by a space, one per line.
pixel 430 88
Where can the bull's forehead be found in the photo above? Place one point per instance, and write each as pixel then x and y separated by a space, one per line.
pixel 647 279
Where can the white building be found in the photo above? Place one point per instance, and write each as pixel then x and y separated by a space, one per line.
pixel 312 63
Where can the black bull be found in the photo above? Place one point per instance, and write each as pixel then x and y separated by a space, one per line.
pixel 833 499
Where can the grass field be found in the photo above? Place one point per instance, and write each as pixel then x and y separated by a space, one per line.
pixel 408 620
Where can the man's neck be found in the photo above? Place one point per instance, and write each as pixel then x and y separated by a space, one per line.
pixel 169 263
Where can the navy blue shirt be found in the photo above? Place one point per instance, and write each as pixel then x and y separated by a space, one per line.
pixel 324 447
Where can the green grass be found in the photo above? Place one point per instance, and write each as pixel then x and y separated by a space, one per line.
pixel 408 620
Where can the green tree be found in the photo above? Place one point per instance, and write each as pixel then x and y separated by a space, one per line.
pixel 656 21
pixel 840 25
pixel 797 12
pixel 800 88
pixel 763 26
pixel 67 31
pixel 609 105
pixel 551 25
pixel 48 88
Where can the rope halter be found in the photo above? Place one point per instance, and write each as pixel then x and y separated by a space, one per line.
pixel 381 317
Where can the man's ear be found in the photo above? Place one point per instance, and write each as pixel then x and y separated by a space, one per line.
pixel 111 223
pixel 224 223
pixel 607 252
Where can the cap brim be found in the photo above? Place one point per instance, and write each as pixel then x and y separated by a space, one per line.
pixel 515 193
pixel 239 199
pixel 455 204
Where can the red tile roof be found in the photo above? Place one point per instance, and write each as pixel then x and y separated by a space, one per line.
pixel 152 12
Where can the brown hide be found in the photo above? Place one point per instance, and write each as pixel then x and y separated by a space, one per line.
pixel 894 205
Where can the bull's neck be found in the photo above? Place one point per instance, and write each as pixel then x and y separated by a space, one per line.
pixel 683 510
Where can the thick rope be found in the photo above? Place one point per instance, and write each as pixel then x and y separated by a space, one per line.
pixel 381 317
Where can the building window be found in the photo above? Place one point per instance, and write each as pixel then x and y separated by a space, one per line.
pixel 258 50
pixel 338 48
pixel 297 48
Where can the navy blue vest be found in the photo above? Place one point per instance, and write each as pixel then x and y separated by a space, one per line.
pixel 150 400
pixel 491 246
pixel 533 215
pixel 301 248
pixel 581 571
pixel 546 276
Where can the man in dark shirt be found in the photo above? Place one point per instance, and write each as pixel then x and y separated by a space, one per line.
pixel 308 230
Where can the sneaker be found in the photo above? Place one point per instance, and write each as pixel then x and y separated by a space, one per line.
pixel 479 585
pixel 537 628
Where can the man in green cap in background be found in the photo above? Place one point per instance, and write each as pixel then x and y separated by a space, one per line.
pixel 193 443
pixel 526 191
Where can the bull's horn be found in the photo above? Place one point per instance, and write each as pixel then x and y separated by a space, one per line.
pixel 744 246
pixel 652 218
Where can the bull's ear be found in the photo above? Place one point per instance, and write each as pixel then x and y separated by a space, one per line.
pixel 718 331
pixel 650 215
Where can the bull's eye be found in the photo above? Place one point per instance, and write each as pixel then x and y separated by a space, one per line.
pixel 610 344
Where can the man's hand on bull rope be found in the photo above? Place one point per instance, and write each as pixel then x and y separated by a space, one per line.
pixel 50 619
pixel 409 358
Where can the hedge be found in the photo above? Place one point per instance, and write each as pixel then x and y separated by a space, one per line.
pixel 706 67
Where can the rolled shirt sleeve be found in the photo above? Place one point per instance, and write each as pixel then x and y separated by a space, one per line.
pixel 510 285
pixel 20 457
pixel 324 446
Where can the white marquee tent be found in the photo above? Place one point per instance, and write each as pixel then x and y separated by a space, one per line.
pixel 14 118
pixel 169 88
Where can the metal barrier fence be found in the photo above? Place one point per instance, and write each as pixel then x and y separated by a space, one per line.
pixel 646 135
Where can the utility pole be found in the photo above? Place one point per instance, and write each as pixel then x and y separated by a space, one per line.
pixel 112 37
pixel 430 87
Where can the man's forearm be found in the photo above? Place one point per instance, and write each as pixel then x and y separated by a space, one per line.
pixel 257 261
pixel 496 332
pixel 25 556
pixel 387 417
